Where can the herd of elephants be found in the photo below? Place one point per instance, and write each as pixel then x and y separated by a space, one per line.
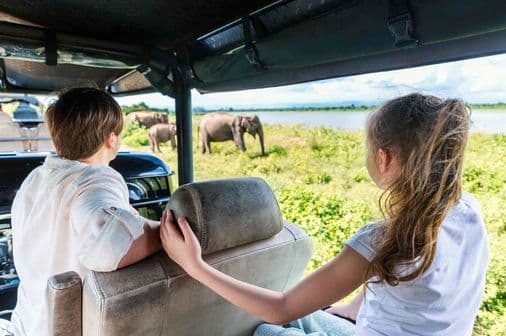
pixel 213 127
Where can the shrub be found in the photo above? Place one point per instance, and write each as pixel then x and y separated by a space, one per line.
pixel 329 219
pixel 134 135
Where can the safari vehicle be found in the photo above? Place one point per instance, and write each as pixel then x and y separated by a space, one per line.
pixel 26 111
pixel 171 47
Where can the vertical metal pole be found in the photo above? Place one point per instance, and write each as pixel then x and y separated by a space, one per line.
pixel 183 124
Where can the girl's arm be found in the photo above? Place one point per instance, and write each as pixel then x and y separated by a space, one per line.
pixel 330 283
pixel 350 309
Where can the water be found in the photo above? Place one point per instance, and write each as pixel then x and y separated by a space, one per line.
pixel 485 121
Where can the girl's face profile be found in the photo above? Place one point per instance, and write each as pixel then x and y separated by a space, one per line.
pixel 370 162
pixel 382 165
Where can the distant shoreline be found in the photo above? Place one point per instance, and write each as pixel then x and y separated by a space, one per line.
pixel 499 107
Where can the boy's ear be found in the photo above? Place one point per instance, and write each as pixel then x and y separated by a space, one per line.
pixel 111 140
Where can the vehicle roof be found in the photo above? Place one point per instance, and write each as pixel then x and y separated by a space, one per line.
pixel 131 46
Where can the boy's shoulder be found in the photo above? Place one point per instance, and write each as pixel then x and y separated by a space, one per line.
pixel 100 174
pixel 100 170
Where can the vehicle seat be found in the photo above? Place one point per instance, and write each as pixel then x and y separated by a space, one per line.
pixel 239 225
pixel 9 129
pixel 43 145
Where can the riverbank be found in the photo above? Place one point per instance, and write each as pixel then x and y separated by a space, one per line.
pixel 483 121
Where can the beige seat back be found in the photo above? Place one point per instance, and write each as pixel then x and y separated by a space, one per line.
pixel 155 297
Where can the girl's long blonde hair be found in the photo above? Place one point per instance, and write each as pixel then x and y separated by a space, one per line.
pixel 428 136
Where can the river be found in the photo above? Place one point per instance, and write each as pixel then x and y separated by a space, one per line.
pixel 485 121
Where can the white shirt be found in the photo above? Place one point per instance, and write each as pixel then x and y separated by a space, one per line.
pixel 446 299
pixel 67 216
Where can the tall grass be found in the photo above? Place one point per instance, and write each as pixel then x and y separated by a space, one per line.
pixel 321 182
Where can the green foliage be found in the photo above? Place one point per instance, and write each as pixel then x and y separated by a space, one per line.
pixel 496 106
pixel 134 135
pixel 142 106
pixel 329 219
pixel 279 150
pixel 485 177
pixel 320 179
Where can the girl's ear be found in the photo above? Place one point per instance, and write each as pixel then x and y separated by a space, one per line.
pixel 384 160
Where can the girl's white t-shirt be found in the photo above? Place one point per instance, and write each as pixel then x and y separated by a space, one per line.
pixel 446 299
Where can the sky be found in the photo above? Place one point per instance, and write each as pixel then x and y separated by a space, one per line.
pixel 479 80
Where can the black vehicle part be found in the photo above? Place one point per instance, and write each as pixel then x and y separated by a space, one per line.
pixel 25 112
pixel 296 40
pixel 400 23
pixel 251 51
pixel 181 75
pixel 134 167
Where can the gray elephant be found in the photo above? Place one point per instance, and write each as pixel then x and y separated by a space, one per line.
pixel 148 119
pixel 221 126
pixel 161 133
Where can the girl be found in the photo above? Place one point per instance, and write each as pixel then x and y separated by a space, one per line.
pixel 423 264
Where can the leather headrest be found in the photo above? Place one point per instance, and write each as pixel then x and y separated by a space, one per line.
pixel 228 212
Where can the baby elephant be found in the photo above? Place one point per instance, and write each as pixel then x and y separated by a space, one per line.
pixel 161 133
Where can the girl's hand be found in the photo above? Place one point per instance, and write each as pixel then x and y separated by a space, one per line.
pixel 180 243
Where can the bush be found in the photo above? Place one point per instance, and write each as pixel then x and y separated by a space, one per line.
pixel 134 135
pixel 329 219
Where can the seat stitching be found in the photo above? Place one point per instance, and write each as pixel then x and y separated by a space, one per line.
pixel 200 217
pixel 128 291
pixel 96 290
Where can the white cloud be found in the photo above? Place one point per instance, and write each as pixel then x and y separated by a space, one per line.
pixel 477 80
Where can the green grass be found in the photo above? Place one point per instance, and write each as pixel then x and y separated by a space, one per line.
pixel 321 182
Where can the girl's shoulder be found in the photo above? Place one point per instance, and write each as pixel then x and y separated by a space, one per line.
pixel 363 241
pixel 468 210
pixel 470 201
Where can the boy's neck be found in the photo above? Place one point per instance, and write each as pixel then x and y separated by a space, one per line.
pixel 102 157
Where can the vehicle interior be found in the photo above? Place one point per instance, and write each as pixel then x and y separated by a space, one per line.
pixel 171 47
pixel 24 129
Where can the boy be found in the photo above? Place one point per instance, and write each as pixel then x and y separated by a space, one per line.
pixel 72 213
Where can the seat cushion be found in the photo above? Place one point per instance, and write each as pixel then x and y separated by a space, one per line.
pixel 156 297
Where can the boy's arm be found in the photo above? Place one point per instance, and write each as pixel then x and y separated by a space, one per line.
pixel 109 235
pixel 144 246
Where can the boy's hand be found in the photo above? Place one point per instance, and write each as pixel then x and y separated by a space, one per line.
pixel 179 242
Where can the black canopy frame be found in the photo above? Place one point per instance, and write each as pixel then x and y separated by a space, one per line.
pixel 130 47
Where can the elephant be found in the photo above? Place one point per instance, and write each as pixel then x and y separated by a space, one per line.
pixel 161 133
pixel 221 126
pixel 148 119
